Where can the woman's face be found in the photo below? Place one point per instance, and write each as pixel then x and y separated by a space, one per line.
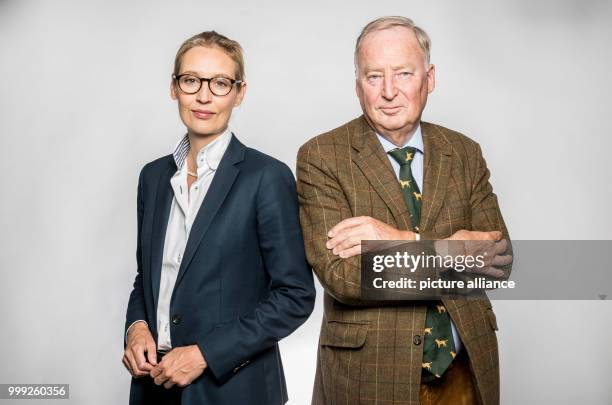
pixel 204 113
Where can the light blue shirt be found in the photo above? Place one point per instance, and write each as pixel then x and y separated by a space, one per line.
pixel 416 141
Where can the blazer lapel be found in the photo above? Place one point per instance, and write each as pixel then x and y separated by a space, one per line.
pixel 374 163
pixel 436 172
pixel 163 201
pixel 224 178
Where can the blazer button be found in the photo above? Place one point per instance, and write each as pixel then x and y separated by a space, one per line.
pixel 417 340
pixel 176 319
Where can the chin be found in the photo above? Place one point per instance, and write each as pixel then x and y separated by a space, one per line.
pixel 394 123
pixel 204 129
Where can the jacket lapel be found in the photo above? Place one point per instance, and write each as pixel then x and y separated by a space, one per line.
pixel 163 200
pixel 374 163
pixel 222 182
pixel 436 172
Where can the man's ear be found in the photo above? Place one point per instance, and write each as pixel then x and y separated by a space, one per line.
pixel 431 78
pixel 357 86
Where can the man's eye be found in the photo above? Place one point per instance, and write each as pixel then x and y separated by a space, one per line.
pixel 404 75
pixel 189 80
pixel 374 78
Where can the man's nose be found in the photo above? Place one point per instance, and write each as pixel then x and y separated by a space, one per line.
pixel 389 90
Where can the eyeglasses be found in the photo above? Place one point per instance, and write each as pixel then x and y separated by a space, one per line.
pixel 219 86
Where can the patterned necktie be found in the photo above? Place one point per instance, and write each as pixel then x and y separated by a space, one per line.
pixel 439 346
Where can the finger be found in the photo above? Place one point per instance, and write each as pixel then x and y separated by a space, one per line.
pixel 152 353
pixel 502 260
pixel 493 272
pixel 354 251
pixel 160 379
pixel 347 223
pixel 480 235
pixel 126 363
pixel 501 246
pixel 342 235
pixel 133 366
pixel 155 371
pixel 139 356
pixel 169 384
pixel 336 240
pixel 495 235
pixel 347 243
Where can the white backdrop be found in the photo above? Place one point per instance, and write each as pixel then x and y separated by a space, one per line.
pixel 85 104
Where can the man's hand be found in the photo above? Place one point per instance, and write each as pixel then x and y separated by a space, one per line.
pixel 346 236
pixel 139 341
pixel 179 366
pixel 489 245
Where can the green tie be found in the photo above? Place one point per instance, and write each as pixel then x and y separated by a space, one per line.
pixel 439 346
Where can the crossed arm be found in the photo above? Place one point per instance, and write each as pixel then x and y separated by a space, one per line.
pixel 333 237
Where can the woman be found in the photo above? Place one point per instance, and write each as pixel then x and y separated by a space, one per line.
pixel 221 275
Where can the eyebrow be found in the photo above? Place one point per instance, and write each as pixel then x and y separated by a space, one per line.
pixel 193 73
pixel 368 69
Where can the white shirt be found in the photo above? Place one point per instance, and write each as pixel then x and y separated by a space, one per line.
pixel 416 166
pixel 183 210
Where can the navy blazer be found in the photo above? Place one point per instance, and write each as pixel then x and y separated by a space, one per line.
pixel 243 283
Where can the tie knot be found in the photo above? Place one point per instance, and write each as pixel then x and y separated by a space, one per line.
pixel 404 155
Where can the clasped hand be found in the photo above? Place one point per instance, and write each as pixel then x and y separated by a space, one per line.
pixel 180 366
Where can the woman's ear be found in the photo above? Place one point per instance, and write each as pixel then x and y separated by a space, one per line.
pixel 241 93
pixel 173 94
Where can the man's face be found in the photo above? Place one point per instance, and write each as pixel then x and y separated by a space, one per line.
pixel 393 80
pixel 204 113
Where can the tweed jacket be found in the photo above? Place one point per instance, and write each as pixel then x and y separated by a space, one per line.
pixel 370 353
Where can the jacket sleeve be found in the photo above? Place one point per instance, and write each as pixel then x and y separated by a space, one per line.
pixel 292 293
pixel 486 214
pixel 136 306
pixel 322 205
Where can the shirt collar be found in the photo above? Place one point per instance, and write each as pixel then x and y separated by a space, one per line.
pixel 416 141
pixel 210 154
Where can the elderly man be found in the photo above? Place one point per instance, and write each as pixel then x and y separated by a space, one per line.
pixel 389 176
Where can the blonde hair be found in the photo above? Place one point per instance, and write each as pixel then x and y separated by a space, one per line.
pixel 384 23
pixel 210 39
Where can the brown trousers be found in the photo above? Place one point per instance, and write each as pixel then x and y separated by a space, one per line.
pixel 456 387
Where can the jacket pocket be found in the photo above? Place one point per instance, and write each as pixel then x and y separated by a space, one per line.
pixel 340 359
pixel 344 334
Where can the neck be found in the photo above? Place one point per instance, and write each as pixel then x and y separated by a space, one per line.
pixel 400 137
pixel 397 137
pixel 196 143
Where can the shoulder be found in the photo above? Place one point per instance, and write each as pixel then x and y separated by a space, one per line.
pixel 461 145
pixel 257 161
pixel 153 169
pixel 330 140
pixel 266 170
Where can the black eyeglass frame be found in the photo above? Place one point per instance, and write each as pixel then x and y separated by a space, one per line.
pixel 208 80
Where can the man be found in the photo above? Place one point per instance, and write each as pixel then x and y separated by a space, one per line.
pixel 388 176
